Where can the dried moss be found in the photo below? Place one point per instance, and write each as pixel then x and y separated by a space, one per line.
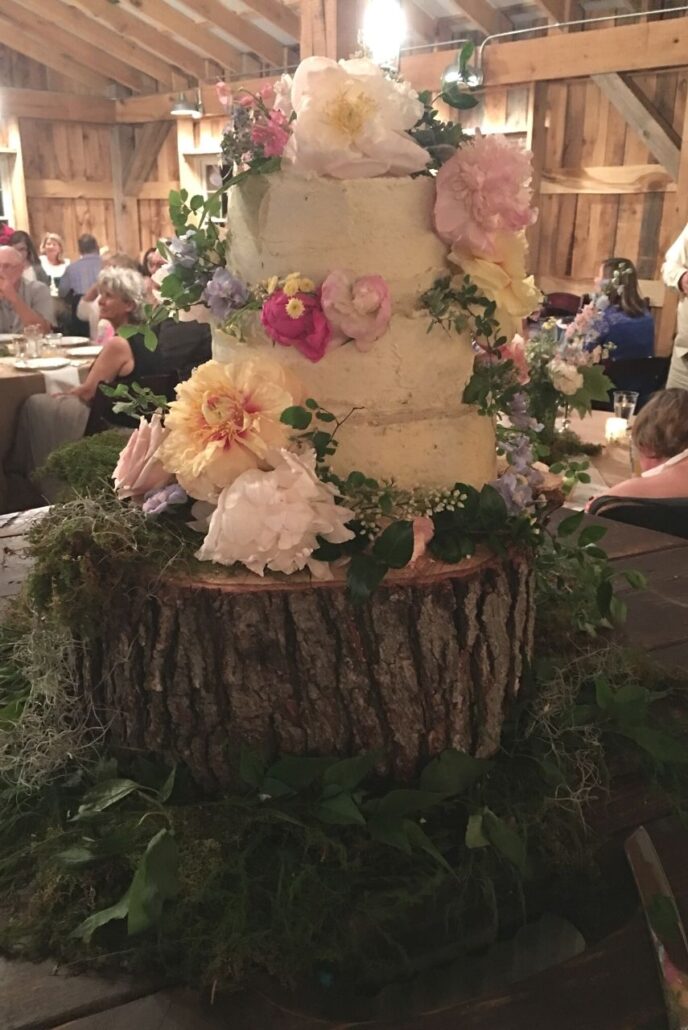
pixel 85 467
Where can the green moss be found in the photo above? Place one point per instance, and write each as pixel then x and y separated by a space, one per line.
pixel 86 466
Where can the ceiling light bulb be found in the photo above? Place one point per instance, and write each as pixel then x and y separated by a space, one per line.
pixel 384 31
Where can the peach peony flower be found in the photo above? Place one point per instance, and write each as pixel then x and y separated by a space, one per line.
pixel 423 532
pixel 483 189
pixel 352 121
pixel 139 469
pixel 516 352
pixel 503 279
pixel 273 519
pixel 357 309
pixel 223 422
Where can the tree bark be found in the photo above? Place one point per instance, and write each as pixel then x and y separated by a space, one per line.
pixel 195 669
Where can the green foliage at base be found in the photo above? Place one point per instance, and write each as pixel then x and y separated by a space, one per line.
pixel 85 468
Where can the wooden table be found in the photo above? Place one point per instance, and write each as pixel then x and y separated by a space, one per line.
pixel 611 986
pixel 611 466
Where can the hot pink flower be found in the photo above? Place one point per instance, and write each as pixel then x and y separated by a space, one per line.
pixel 516 352
pixel 272 134
pixel 357 309
pixel 484 188
pixel 303 326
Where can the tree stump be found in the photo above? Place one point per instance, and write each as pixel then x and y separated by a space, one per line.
pixel 194 669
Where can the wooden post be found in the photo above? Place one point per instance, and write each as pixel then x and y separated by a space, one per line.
pixel 20 211
pixel 330 28
pixel 536 141
pixel 126 208
pixel 679 218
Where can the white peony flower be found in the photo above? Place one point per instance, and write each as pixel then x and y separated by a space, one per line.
pixel 139 469
pixel 565 377
pixel 283 95
pixel 352 121
pixel 271 519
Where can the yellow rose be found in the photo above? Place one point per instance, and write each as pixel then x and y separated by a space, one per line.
pixel 503 279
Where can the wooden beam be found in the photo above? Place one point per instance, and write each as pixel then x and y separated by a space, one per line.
pixel 68 15
pixel 68 189
pixel 147 36
pixel 319 28
pixel 259 42
pixel 146 150
pixel 279 15
pixel 607 179
pixel 52 57
pixel 64 107
pixel 657 44
pixel 484 16
pixel 554 10
pixel 174 25
pixel 30 19
pixel 20 211
pixel 641 115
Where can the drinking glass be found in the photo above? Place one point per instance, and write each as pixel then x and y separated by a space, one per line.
pixel 52 342
pixel 33 341
pixel 20 348
pixel 624 403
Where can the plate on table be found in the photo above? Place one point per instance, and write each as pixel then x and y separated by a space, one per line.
pixel 73 341
pixel 41 364
pixel 84 352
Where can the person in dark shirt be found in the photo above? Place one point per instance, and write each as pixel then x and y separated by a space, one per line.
pixel 625 320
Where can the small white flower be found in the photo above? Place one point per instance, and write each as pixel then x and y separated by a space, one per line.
pixel 272 519
pixel 565 378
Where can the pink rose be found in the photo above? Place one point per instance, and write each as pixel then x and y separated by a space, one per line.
pixel 297 321
pixel 483 189
pixel 138 469
pixel 357 310
pixel 423 532
pixel 271 134
pixel 516 352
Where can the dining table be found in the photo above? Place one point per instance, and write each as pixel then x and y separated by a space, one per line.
pixel 16 385
pixel 611 465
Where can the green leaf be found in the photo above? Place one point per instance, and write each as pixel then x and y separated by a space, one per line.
pixel 453 772
pixel 635 579
pixel 119 910
pixel 296 417
pixel 568 526
pixel 349 772
pixel 418 838
pixel 76 857
pixel 390 830
pixel 407 801
pixel 604 696
pixel 155 881
pixel 128 330
pixel 150 340
pixel 475 837
pixel 364 575
pixel 492 510
pixel 312 404
pixel 298 772
pixel 107 793
pixel 451 547
pixel 604 596
pixel 394 546
pixel 659 744
pixel 340 810
pixel 196 203
pixel 591 534
pixel 505 840
pixel 355 480
pixel 251 768
pixel 165 792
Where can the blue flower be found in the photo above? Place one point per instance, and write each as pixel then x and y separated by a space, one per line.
pixel 225 294
pixel 158 501
pixel 515 490
pixel 183 250
pixel 518 414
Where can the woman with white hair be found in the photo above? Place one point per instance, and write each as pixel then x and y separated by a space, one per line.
pixel 45 421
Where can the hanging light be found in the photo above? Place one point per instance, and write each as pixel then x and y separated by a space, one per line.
pixel 468 73
pixel 384 31
pixel 185 108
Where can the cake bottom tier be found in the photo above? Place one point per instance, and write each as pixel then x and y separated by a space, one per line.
pixel 288 667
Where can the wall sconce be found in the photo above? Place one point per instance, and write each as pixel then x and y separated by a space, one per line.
pixel 469 72
pixel 185 108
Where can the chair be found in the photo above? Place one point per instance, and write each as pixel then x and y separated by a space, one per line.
pixel 560 304
pixel 102 417
pixel 643 375
pixel 663 515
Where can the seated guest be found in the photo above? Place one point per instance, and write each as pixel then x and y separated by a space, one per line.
pixel 53 261
pixel 22 303
pixel 624 319
pixel 88 309
pixel 46 421
pixel 78 279
pixel 660 438
pixel 24 245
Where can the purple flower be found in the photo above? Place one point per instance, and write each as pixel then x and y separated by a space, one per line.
pixel 518 414
pixel 515 491
pixel 519 451
pixel 183 250
pixel 224 294
pixel 158 501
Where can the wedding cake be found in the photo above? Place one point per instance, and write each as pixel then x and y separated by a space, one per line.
pixel 407 422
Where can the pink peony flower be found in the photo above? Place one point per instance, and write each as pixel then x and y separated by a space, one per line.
pixel 485 187
pixel 423 532
pixel 271 134
pixel 516 352
pixel 139 470
pixel 357 309
pixel 302 324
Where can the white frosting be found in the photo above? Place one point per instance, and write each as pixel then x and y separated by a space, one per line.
pixel 411 425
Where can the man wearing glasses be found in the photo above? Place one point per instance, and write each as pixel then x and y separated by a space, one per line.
pixel 22 303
